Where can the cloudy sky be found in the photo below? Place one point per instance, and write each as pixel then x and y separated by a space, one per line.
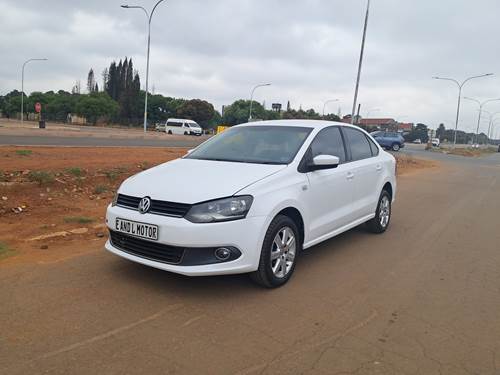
pixel 218 49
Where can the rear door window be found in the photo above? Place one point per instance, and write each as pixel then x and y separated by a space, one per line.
pixel 373 146
pixel 358 143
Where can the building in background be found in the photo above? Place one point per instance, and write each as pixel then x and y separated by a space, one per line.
pixel 373 124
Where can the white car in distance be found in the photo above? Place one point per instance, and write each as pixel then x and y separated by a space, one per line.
pixel 181 127
pixel 252 198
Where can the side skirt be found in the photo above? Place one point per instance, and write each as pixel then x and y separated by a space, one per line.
pixel 338 231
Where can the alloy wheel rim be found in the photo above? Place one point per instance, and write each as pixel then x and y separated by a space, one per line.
pixel 384 211
pixel 283 251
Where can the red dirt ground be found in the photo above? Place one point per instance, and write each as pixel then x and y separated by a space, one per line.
pixel 72 192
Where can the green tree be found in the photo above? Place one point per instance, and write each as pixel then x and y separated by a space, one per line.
pixel 197 110
pixel 215 121
pixel 440 132
pixel 310 114
pixel 332 117
pixel 239 111
pixel 96 106
pixel 12 103
pixel 419 132
pixel 91 84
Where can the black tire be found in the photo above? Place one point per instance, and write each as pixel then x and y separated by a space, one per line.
pixel 264 276
pixel 185 133
pixel 170 132
pixel 396 147
pixel 375 225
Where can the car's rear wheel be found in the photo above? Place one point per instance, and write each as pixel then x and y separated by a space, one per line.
pixel 396 147
pixel 279 253
pixel 170 132
pixel 382 219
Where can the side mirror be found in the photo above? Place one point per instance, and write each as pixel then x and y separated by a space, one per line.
pixel 322 162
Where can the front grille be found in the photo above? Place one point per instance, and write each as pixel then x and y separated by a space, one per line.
pixel 146 249
pixel 157 207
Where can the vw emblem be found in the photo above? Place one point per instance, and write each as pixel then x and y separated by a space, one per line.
pixel 144 205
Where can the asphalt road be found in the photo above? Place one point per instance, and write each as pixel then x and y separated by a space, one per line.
pixel 37 140
pixel 421 299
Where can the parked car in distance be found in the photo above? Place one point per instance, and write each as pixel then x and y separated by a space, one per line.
pixel 268 191
pixel 436 142
pixel 417 141
pixel 182 127
pixel 160 127
pixel 389 140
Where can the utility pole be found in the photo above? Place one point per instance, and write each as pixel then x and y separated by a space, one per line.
pixel 360 61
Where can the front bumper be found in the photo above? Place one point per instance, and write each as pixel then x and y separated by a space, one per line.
pixel 246 235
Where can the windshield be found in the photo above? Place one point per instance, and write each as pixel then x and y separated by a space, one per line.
pixel 193 125
pixel 254 144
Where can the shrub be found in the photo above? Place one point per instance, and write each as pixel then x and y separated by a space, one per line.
pixel 75 171
pixel 24 152
pixel 78 219
pixel 100 189
pixel 41 177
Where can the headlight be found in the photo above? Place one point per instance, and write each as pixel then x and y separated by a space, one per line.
pixel 220 210
pixel 115 199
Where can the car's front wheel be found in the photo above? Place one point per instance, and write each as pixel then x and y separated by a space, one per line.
pixel 380 222
pixel 396 147
pixel 279 253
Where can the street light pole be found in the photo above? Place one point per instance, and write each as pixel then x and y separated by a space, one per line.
pixel 251 98
pixel 491 126
pixel 327 102
pixel 22 86
pixel 460 87
pixel 149 17
pixel 481 105
pixel 494 129
pixel 355 103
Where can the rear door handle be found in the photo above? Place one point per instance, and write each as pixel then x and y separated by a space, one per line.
pixel 350 175
pixel 379 168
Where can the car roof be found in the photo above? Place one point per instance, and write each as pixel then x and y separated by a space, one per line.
pixel 181 119
pixel 316 124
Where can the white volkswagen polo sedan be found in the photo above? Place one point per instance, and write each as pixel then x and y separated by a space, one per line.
pixel 252 198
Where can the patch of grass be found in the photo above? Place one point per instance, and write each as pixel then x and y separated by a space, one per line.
pixel 113 174
pixel 75 171
pixel 5 250
pixel 100 189
pixel 78 220
pixel 24 152
pixel 41 177
pixel 144 165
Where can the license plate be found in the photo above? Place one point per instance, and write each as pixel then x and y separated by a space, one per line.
pixel 137 229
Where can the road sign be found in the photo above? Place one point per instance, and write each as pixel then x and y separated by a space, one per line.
pixel 38 107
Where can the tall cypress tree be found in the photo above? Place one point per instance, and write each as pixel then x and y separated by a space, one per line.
pixel 90 81
pixel 119 80
pixel 112 80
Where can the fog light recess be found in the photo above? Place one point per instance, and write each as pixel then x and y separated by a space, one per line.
pixel 222 253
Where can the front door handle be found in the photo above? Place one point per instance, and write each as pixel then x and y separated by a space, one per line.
pixel 350 176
